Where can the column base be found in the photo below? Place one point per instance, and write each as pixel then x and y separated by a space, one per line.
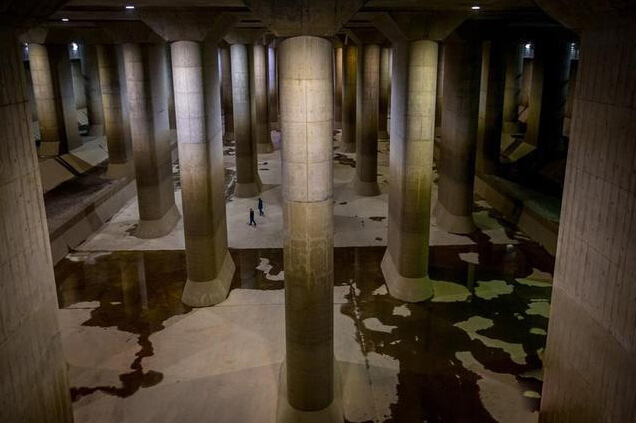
pixel 242 190
pixel 265 148
pixel 411 290
pixel 49 148
pixel 366 189
pixel 148 229
pixel 120 170
pixel 448 222
pixel 96 130
pixel 348 148
pixel 228 136
pixel 383 135
pixel 209 293
pixel 285 413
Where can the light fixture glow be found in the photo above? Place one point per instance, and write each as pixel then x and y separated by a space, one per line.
pixel 475 7
pixel 64 19
pixel 74 46
pixel 528 46
pixel 130 7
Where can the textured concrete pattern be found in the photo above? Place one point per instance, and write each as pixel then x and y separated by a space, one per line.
pixel 33 373
pixel 259 98
pixel 94 104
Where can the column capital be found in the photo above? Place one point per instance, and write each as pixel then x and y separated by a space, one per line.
pixel 366 35
pixel 406 26
pixel 245 36
pixel 189 24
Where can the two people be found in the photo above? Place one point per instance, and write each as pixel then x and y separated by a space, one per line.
pixel 261 211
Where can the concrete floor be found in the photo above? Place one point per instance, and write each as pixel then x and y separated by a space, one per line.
pixel 473 353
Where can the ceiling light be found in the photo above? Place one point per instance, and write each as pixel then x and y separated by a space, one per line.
pixel 130 7
pixel 64 19
pixel 528 46
pixel 475 7
pixel 74 46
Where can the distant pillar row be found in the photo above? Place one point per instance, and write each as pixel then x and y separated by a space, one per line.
pixel 259 98
pixel 491 97
pixel 349 98
pixel 385 93
pixel 368 90
pixel 94 107
pixel 454 209
pixel 272 87
pixel 199 129
pixel 248 183
pixel 148 87
pixel 405 263
pixel 119 156
pixel 52 77
pixel 514 73
pixel 307 152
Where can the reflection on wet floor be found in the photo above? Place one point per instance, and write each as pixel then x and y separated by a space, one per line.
pixel 487 321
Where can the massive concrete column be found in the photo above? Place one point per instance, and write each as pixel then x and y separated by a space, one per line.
pixel 349 90
pixel 248 183
pixel 490 116
pixel 338 80
pixel 119 158
pixel 55 102
pixel 548 94
pixel 454 209
pixel 79 90
pixel 385 92
pixel 94 105
pixel 33 371
pixel 405 263
pixel 199 130
pixel 306 91
pixel 366 182
pixel 514 73
pixel 590 357
pixel 147 82
pixel 272 87
pixel 258 98
pixel 226 95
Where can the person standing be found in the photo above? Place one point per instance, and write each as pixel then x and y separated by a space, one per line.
pixel 261 207
pixel 252 221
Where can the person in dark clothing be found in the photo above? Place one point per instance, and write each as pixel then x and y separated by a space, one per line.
pixel 261 207
pixel 252 221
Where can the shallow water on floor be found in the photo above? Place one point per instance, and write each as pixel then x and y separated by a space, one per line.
pixel 486 323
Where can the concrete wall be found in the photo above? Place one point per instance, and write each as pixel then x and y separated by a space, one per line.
pixel 591 349
pixel 33 379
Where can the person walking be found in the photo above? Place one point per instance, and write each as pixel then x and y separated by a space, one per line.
pixel 261 207
pixel 252 221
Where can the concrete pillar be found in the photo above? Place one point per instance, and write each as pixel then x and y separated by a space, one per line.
pixel 55 102
pixel 454 209
pixel 119 158
pixel 337 98
pixel 121 72
pixel 368 90
pixel 514 73
pixel 439 98
pixel 349 90
pixel 306 91
pixel 199 130
pixel 258 98
pixel 94 105
pixel 385 92
pixel 226 95
pixel 590 358
pixel 78 84
pixel 405 263
pixel 171 106
pixel 147 82
pixel 272 88
pixel 491 95
pixel 33 371
pixel 548 94
pixel 248 183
